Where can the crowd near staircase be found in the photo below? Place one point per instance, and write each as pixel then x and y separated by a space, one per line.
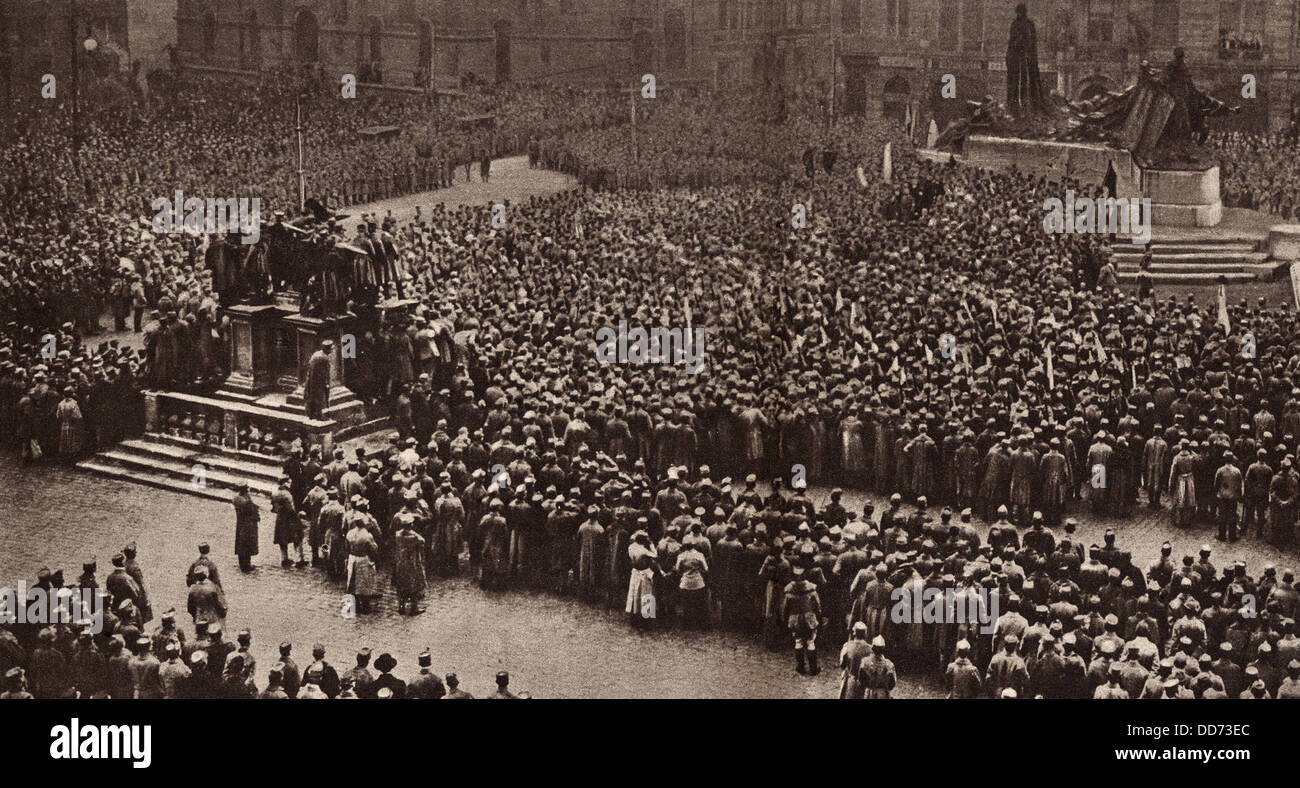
pixel 1194 256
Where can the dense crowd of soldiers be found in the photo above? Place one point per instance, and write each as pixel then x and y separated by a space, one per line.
pixel 917 334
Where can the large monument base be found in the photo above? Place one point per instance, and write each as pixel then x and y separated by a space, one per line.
pixel 1179 198
pixel 208 444
pixel 1183 198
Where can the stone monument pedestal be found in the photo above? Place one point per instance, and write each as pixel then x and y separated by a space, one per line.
pixel 308 333
pixel 1284 242
pixel 1183 198
pixel 252 343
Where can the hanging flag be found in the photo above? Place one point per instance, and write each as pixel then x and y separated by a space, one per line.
pixel 887 166
pixel 1101 351
pixel 839 301
pixel 1051 370
pixel 862 177
pixel 1295 283
pixel 1223 309
pixel 853 313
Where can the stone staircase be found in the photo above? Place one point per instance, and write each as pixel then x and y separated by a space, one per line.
pixel 184 465
pixel 208 470
pixel 1197 258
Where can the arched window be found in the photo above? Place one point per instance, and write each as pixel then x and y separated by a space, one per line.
pixel 306 37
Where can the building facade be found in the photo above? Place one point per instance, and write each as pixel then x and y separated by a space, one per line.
pixel 39 37
pixel 896 53
pixel 417 44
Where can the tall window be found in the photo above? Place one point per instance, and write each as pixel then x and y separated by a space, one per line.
pixel 851 16
pixel 972 25
pixel 675 38
pixel 896 13
pixel 1164 31
pixel 1241 24
pixel 209 33
pixel 1101 21
pixel 255 35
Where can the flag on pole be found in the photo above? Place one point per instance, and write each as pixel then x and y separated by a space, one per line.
pixel 1051 371
pixel 929 355
pixel 887 166
pixel 1223 310
pixel 839 301
pixel 1101 351
pixel 853 313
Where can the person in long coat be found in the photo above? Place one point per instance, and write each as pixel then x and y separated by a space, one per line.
pixel 363 580
pixel 592 549
pixel 1182 485
pixel 922 455
pixel 1024 466
pixel 854 651
pixel 776 571
pixel 1054 470
pixel 71 433
pixel 316 385
pixel 853 456
pixel 494 566
pixel 247 517
pixel 1154 456
pixel 288 524
pixel 408 567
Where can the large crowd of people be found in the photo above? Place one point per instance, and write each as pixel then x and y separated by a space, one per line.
pixel 917 336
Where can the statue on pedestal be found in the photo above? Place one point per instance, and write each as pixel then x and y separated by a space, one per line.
pixel 1024 85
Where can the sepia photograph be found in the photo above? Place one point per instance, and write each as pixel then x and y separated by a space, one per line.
pixel 650 349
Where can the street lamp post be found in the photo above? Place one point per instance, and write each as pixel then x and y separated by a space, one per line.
pixel 302 182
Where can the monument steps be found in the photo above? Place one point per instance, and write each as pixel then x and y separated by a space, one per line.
pixel 151 468
pixel 169 448
pixel 152 478
pixel 1197 278
pixel 1199 257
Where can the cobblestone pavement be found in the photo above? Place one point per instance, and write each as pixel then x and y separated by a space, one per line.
pixel 553 646
pixel 511 179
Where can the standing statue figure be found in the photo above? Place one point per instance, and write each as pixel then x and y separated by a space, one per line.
pixel 1024 87
pixel 316 385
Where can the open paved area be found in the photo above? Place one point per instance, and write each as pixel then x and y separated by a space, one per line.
pixel 553 646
